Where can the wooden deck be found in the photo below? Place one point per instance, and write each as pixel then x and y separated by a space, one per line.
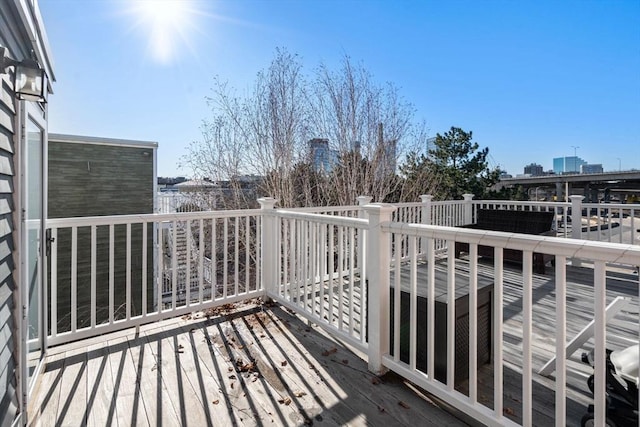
pixel 253 365
pixel 244 365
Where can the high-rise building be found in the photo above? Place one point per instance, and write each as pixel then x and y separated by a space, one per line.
pixel 591 168
pixel 533 169
pixel 569 164
pixel 322 157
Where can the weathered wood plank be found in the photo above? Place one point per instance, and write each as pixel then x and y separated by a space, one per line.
pixel 126 407
pixel 45 408
pixel 99 385
pixel 378 399
pixel 204 386
pixel 167 356
pixel 73 389
pixel 156 401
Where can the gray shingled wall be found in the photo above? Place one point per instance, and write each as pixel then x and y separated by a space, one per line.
pixel 9 37
pixel 96 180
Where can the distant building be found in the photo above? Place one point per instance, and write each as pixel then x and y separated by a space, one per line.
pixel 567 164
pixel 168 183
pixel 196 185
pixel 591 168
pixel 322 157
pixel 387 162
pixel 533 169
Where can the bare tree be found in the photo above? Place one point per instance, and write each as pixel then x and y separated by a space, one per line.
pixel 367 124
pixel 267 133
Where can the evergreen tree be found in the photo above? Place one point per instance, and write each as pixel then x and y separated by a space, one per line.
pixel 456 164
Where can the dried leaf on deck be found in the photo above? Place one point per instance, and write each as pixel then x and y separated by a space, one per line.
pixel 246 367
pixel 299 393
pixel 405 405
pixel 285 401
pixel 330 351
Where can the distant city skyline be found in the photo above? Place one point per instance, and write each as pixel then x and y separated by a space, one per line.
pixel 527 77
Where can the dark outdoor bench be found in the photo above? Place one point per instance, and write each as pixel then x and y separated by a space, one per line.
pixel 524 222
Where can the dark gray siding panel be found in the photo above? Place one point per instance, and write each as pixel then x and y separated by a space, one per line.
pixel 98 180
pixel 8 339
pixel 14 35
pixel 95 180
pixel 9 36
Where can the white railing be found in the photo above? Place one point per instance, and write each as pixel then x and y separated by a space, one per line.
pixel 319 270
pixel 305 280
pixel 340 268
pixel 329 291
pixel 385 274
pixel 611 222
pixel 110 273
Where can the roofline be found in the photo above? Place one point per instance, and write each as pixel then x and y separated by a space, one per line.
pixel 96 140
pixel 32 21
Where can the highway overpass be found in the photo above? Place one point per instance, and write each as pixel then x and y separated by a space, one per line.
pixel 589 185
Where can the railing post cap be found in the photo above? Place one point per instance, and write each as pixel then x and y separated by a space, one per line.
pixel 426 198
pixel 267 202
pixel 381 208
pixel 364 200
pixel 576 198
pixel 467 196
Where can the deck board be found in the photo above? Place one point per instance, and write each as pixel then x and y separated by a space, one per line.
pixel 99 386
pixel 260 365
pixel 186 370
pixel 73 388
pixel 127 406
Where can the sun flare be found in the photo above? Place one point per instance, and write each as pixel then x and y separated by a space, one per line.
pixel 167 25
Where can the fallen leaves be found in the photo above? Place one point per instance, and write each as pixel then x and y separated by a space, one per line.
pixel 245 367
pixel 285 401
pixel 405 405
pixel 330 351
pixel 221 310
pixel 375 380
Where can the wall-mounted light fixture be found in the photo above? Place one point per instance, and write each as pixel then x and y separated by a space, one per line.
pixel 29 80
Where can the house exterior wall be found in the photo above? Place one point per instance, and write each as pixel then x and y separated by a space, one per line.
pixel 91 176
pixel 8 338
pixel 21 33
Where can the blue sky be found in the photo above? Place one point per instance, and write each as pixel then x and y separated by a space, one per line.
pixel 531 79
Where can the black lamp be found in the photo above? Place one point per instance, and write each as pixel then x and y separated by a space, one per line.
pixel 29 80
